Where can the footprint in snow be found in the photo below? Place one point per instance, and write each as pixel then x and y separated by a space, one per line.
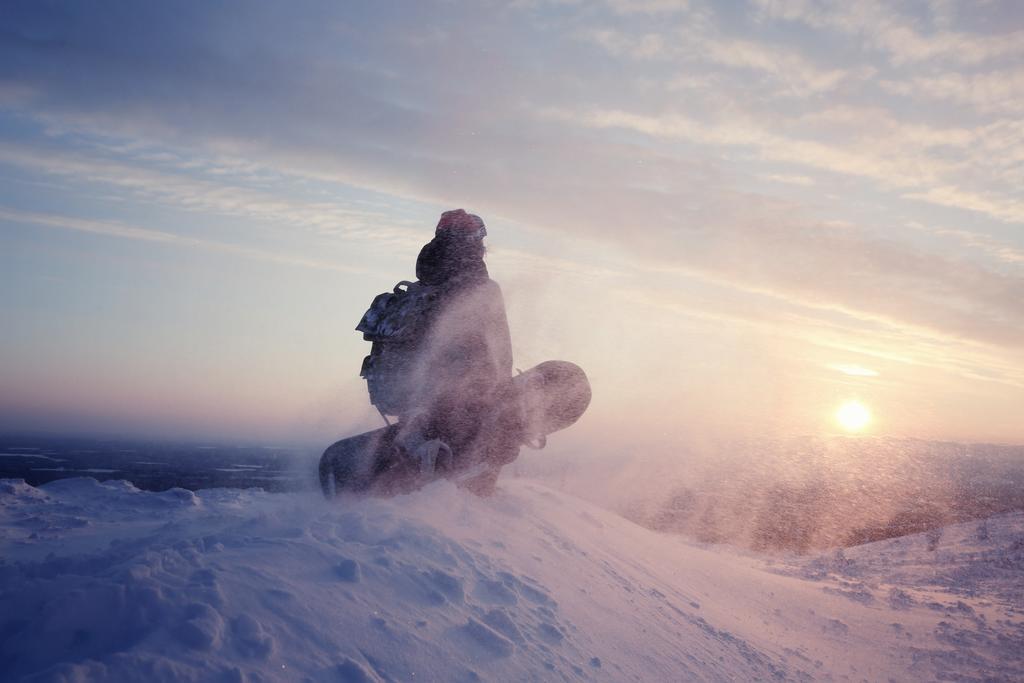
pixel 351 671
pixel 249 638
pixel 202 628
pixel 495 592
pixel 499 620
pixel 446 584
pixel 836 627
pixel 348 570
pixel 551 633
pixel 522 587
pixel 488 639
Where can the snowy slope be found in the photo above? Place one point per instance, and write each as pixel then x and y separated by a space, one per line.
pixel 106 582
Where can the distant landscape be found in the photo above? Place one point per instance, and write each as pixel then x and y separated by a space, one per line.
pixel 155 465
pixel 801 495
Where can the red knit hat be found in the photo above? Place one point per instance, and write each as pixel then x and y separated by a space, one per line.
pixel 458 222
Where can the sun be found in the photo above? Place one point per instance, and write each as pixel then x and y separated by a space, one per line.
pixel 853 416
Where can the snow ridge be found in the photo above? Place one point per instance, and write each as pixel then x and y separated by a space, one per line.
pixel 104 582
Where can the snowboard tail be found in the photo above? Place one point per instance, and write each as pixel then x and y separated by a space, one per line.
pixel 355 464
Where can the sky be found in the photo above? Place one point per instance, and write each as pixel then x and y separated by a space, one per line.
pixel 736 216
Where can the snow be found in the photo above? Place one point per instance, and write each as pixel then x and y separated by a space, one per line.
pixel 104 582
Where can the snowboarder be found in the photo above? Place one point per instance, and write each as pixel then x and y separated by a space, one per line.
pixel 441 361
pixel 449 374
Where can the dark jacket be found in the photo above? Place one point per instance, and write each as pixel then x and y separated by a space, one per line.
pixel 466 358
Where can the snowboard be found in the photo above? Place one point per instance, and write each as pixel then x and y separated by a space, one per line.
pixel 545 399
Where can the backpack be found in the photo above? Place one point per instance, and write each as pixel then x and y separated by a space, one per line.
pixel 396 324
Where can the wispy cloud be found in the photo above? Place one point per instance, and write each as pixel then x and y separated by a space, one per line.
pixel 1000 250
pixel 995 92
pixel 802 180
pixel 883 27
pixel 131 232
pixel 854 370
pixel 700 45
pixel 216 194
pixel 1002 208
pixel 654 7
pixel 901 157
pixel 762 154
pixel 787 320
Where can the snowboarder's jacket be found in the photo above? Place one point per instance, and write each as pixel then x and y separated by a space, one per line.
pixel 451 358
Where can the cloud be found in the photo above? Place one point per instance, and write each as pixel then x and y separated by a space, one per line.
pixel 881 27
pixel 996 92
pixel 650 7
pixel 896 170
pixel 908 157
pixel 656 8
pixel 216 194
pixel 793 323
pixel 1001 251
pixel 651 46
pixel 854 370
pixel 789 68
pixel 801 180
pixel 870 279
pixel 1009 210
pixel 701 45
pixel 492 120
pixel 759 250
pixel 123 231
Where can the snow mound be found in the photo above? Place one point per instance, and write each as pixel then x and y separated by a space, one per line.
pixel 103 582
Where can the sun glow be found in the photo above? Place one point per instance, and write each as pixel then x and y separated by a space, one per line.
pixel 853 416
